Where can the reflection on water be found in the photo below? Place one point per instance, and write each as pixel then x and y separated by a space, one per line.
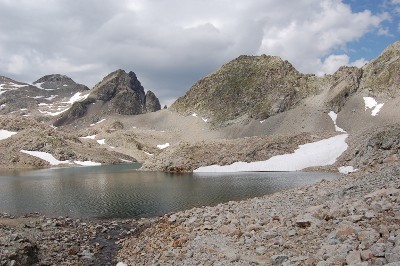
pixel 121 191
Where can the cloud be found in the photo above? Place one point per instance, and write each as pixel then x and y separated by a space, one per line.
pixel 172 44
pixel 330 64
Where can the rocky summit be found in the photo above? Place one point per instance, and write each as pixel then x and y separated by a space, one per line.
pixel 118 93
pixel 257 86
pixel 45 98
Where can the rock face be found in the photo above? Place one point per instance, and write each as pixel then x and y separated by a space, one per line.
pixel 118 93
pixel 258 86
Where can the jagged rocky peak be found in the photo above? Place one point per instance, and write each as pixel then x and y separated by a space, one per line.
pixel 125 94
pixel 382 75
pixel 118 93
pixel 57 81
pixel 255 86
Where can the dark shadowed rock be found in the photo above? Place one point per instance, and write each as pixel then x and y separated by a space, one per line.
pixel 118 93
pixel 152 102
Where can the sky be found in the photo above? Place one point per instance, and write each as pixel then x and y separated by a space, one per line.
pixel 172 44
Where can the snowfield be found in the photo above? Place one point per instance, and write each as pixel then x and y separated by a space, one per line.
pixel 319 153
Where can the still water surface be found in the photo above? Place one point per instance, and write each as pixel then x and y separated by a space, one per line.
pixel 120 191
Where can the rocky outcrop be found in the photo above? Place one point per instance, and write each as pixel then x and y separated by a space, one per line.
pixel 152 102
pixel 118 93
pixel 382 75
pixel 256 86
pixel 374 147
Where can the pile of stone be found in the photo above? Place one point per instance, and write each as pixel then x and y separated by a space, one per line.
pixel 39 240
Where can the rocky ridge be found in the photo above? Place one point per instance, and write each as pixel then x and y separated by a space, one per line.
pixel 260 87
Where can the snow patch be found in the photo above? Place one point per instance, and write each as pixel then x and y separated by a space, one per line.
pixel 319 153
pixel 77 97
pixel 101 141
pixel 163 146
pixel 45 156
pixel 125 161
pixel 5 134
pixel 333 116
pixel 370 103
pixel 43 104
pixel 87 163
pixel 98 122
pixel 194 114
pixel 89 137
pixel 149 154
pixel 346 169
pixel 121 264
pixel 204 119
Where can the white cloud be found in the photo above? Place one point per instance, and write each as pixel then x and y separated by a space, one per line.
pixel 171 44
pixel 333 62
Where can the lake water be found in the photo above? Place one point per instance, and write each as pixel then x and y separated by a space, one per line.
pixel 120 191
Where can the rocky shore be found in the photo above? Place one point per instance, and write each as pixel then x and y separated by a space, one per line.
pixel 354 220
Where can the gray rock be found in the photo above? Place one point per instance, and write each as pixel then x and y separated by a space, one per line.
pixel 278 259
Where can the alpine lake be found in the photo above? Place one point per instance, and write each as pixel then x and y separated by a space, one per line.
pixel 121 191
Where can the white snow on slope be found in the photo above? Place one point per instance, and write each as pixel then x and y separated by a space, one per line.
pixel 53 161
pixel 333 116
pixel 77 97
pixel 320 153
pixel 5 134
pixel 89 137
pixel 46 156
pixel 370 103
pixel 163 146
pixel 194 114
pixel 87 163
pixel 346 169
pixel 101 141
pixel 98 122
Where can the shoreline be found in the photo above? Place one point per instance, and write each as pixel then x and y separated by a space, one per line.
pixel 292 226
